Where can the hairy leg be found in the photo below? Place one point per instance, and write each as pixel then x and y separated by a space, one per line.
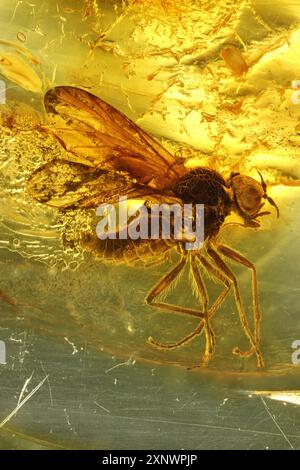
pixel 235 256
pixel 215 307
pixel 222 266
pixel 163 284
pixel 209 335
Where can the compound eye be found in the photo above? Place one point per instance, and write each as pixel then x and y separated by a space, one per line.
pixel 251 199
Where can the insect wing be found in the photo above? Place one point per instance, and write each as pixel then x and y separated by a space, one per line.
pixel 66 185
pixel 98 135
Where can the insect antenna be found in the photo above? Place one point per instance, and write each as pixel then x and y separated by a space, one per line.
pixel 265 196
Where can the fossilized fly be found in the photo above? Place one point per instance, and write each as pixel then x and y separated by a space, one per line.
pixel 108 155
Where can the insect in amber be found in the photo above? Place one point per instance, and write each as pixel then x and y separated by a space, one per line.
pixel 110 156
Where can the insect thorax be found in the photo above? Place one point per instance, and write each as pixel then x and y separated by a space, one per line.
pixel 206 186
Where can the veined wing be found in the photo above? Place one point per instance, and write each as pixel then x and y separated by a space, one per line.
pixel 98 135
pixel 66 185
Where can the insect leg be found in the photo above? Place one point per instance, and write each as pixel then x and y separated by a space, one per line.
pixel 235 256
pixel 198 330
pixel 218 275
pixel 163 284
pixel 209 334
pixel 243 319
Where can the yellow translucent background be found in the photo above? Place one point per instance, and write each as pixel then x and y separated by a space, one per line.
pixel 213 81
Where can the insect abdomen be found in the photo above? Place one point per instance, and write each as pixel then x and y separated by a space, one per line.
pixel 129 251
